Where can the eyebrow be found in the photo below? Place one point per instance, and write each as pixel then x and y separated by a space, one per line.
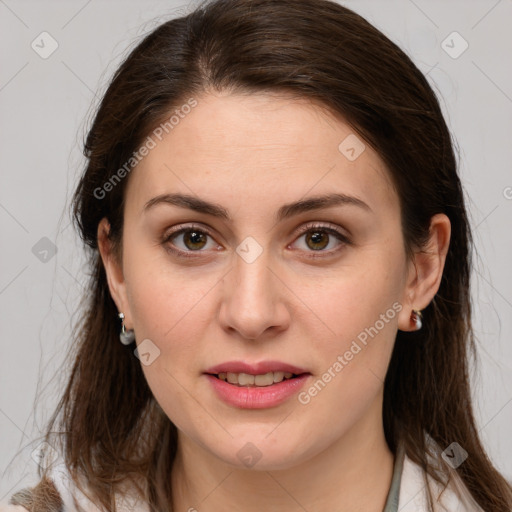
pixel 286 211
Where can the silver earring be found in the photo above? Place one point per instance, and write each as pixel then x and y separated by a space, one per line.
pixel 125 336
pixel 417 318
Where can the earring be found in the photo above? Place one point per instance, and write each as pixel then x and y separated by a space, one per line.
pixel 417 318
pixel 125 336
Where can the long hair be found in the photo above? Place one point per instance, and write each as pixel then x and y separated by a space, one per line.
pixel 111 428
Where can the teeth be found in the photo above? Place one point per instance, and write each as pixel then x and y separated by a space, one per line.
pixel 278 376
pixel 245 379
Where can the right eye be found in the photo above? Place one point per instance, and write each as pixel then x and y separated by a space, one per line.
pixel 193 239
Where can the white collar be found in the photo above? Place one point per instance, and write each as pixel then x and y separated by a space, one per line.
pixel 412 497
pixel 413 492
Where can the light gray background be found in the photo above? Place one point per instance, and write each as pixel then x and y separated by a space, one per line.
pixel 46 106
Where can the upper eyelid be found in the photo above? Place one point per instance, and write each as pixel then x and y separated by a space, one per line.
pixel 304 227
pixel 322 225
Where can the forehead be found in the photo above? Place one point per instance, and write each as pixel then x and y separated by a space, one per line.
pixel 260 147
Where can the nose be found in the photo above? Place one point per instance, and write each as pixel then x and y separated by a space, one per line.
pixel 254 299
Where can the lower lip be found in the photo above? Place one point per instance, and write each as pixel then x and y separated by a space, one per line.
pixel 261 397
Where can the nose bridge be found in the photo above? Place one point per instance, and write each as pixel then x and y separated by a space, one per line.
pixel 252 301
pixel 251 272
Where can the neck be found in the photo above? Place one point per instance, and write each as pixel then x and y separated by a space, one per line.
pixel 352 474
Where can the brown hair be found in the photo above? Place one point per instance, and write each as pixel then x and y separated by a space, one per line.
pixel 112 428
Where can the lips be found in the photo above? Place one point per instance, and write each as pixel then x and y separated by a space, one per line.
pixel 255 368
pixel 249 385
pixel 256 397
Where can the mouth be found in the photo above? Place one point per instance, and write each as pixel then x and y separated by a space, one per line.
pixel 260 385
pixel 260 380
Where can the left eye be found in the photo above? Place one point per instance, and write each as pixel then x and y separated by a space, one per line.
pixel 318 237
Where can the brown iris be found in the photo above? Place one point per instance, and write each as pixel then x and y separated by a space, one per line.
pixel 315 237
pixel 195 237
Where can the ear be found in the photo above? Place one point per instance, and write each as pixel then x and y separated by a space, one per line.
pixel 425 271
pixel 114 271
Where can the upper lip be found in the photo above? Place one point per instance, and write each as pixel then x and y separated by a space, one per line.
pixel 259 368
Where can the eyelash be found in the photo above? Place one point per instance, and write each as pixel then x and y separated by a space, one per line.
pixel 307 228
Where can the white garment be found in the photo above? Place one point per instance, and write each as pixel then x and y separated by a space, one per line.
pixel 413 492
pixel 413 495
pixel 65 486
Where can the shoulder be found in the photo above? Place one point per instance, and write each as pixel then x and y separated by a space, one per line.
pixel 43 497
pixel 413 492
pixel 128 501
pixel 67 495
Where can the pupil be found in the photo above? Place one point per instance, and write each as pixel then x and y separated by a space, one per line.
pixel 195 237
pixel 316 239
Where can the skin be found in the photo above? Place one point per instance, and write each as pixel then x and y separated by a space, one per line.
pixel 252 154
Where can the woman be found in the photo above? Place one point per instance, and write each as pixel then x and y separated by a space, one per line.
pixel 279 316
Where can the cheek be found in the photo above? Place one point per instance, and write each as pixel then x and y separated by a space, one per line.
pixel 359 312
pixel 362 315
pixel 172 310
pixel 162 296
pixel 354 298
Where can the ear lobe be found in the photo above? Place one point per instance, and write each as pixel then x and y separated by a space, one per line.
pixel 426 271
pixel 113 270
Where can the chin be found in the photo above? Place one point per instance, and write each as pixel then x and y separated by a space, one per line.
pixel 260 453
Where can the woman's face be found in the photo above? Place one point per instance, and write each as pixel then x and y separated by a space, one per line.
pixel 262 279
